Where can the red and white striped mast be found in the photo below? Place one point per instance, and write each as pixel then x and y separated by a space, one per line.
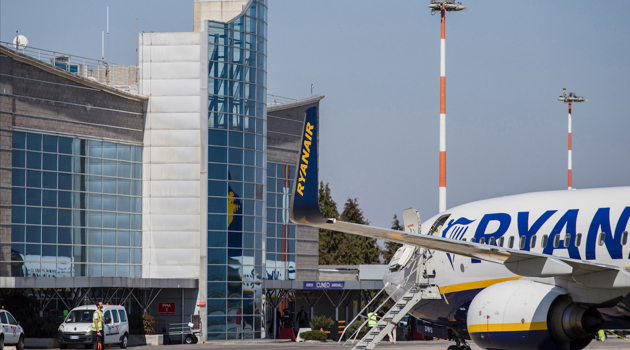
pixel 443 6
pixel 569 98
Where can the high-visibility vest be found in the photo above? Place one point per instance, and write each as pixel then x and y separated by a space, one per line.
pixel 99 322
pixel 372 319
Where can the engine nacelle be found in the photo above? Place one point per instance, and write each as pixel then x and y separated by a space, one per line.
pixel 527 315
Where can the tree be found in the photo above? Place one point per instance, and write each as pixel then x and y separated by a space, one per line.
pixel 338 248
pixel 392 247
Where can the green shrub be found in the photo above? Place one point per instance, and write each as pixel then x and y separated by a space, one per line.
pixel 313 335
pixel 353 328
pixel 321 322
pixel 141 324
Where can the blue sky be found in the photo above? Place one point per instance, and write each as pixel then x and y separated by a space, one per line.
pixel 377 62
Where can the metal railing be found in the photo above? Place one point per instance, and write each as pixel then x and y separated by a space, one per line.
pixel 273 99
pixel 354 335
pixel 118 76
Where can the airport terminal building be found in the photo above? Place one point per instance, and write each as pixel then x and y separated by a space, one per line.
pixel 166 182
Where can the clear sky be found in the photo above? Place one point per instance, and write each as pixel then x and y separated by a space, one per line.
pixel 377 62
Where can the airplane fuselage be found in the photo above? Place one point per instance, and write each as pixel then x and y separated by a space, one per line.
pixel 589 224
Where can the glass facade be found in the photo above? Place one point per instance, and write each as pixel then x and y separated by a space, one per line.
pixel 76 207
pixel 280 262
pixel 237 117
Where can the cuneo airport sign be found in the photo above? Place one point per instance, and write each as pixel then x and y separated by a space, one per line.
pixel 323 285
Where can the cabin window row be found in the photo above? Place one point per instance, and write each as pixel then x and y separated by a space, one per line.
pixel 566 242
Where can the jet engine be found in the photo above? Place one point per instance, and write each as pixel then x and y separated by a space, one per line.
pixel 528 315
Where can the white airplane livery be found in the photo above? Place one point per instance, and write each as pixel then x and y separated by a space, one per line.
pixel 543 270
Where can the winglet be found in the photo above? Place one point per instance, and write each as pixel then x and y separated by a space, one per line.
pixel 304 201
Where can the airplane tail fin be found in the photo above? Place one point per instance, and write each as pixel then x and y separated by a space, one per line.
pixel 305 199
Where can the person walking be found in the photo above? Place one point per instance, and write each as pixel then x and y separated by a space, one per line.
pixel 302 319
pixel 392 334
pixel 97 326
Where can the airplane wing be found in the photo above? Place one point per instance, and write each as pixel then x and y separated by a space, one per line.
pixel 304 210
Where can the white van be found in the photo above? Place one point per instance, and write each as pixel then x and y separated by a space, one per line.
pixel 77 326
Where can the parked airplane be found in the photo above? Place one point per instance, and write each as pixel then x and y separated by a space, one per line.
pixel 531 271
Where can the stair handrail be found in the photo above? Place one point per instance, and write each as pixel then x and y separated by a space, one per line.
pixel 405 281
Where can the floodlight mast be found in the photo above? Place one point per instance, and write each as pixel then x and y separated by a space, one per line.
pixel 443 6
pixel 569 98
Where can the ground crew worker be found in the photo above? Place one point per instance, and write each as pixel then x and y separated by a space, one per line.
pixel 372 319
pixel 97 326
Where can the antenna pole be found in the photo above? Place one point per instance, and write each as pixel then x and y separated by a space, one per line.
pixel 102 45
pixel 108 33
pixel 137 45
pixel 442 198
pixel 570 155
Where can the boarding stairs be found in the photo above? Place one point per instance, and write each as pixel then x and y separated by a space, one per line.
pixel 413 289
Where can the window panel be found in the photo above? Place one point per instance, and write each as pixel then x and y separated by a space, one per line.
pixel 34 142
pixel 17 233
pixel 33 160
pixel 33 215
pixel 18 177
pixel 50 161
pixel 49 180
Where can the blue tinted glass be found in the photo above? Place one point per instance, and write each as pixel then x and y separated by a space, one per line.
pixel 109 220
pixel 109 255
pixel 109 150
pixel 95 166
pixel 236 139
pixel 136 153
pixel 217 188
pixel 271 230
pixel 235 172
pixel 18 249
pixel 259 159
pixel 217 171
pixel 34 142
pixel 33 178
pixel 216 272
pixel 65 163
pixel 17 233
pixel 248 206
pixel 123 221
pixel 217 154
pixel 123 238
pixel 95 219
pixel 18 159
pixel 236 188
pixel 18 177
pixel 236 156
pixel 124 186
pixel 49 216
pixel 271 245
pixel 33 197
pixel 136 170
pixel 19 140
pixel 64 181
pixel 33 160
pixel 249 190
pixel 109 270
pixel 217 137
pixel 260 173
pixel 33 234
pixel 49 198
pixel 95 149
pixel 136 205
pixel 217 256
pixel 49 180
pixel 217 239
pixel 122 255
pixel 50 161
pixel 49 234
pixel 124 204
pixel 109 185
pixel 35 251
pixel 248 223
pixel 217 222
pixel 250 140
pixel 65 145
pixel 64 217
pixel 109 237
pixel 216 290
pixel 50 143
pixel 249 174
pixel 124 152
pixel 271 185
pixel 217 205
pixel 235 239
pixel 249 157
pixel 259 142
pixel 109 203
pixel 65 199
pixel 64 251
pixel 95 254
pixel 109 168
pixel 124 169
pixel 17 196
pixel 94 184
pixel 136 188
